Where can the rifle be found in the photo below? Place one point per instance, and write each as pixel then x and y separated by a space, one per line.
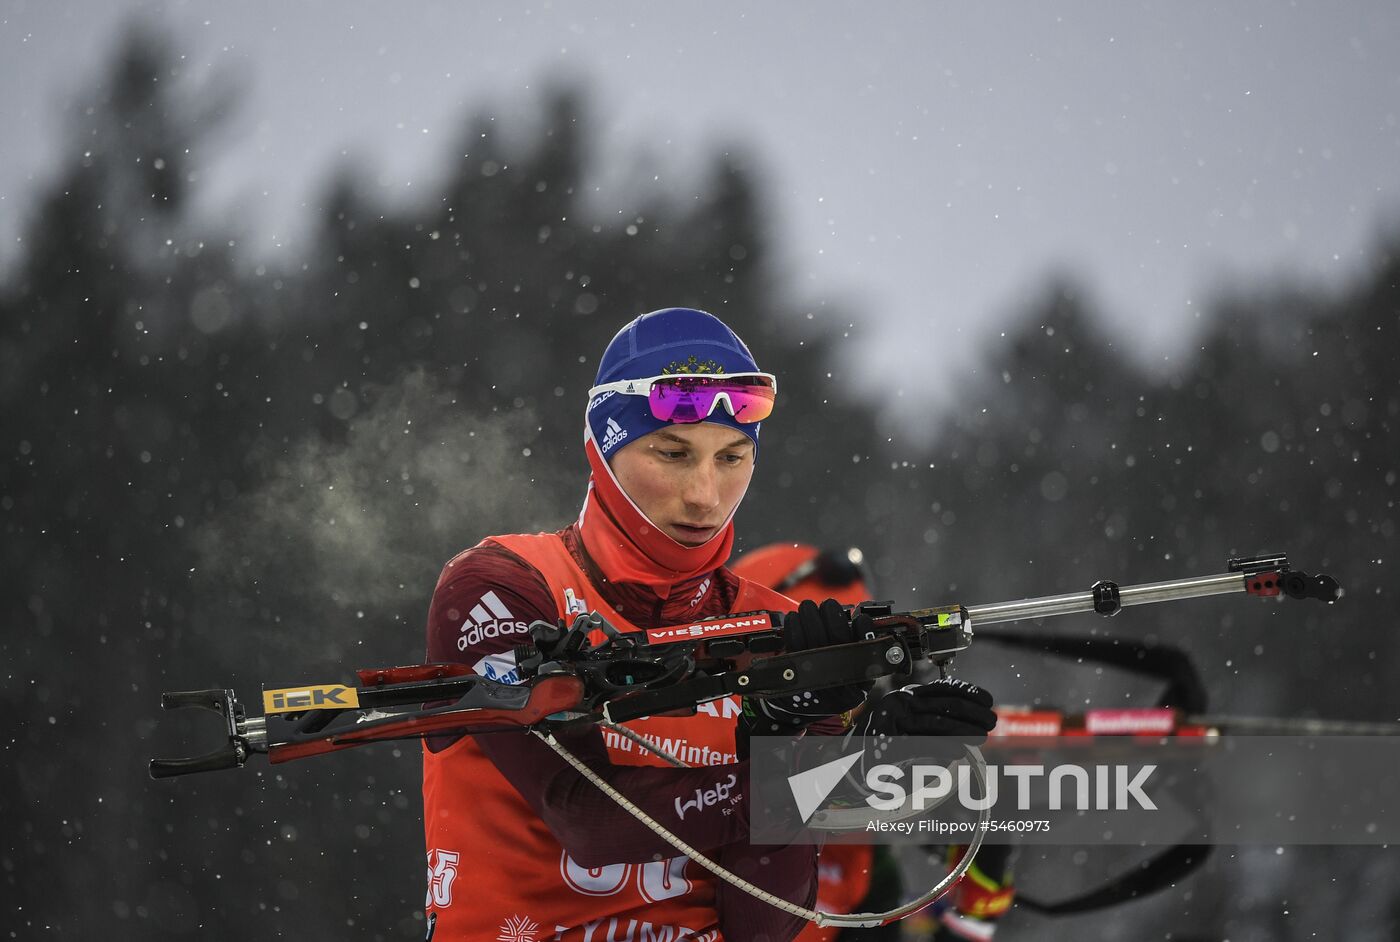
pixel 590 672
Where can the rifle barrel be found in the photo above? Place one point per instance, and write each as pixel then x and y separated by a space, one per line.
pixel 996 613
pixel 1294 726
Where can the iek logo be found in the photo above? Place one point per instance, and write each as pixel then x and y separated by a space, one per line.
pixel 315 697
pixel 319 697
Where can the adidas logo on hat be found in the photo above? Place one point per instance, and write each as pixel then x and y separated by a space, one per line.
pixel 616 434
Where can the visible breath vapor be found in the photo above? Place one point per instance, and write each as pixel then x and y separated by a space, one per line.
pixel 344 531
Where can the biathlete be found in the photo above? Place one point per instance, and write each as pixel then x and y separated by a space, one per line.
pixel 520 846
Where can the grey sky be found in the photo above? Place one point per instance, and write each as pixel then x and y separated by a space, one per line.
pixel 927 163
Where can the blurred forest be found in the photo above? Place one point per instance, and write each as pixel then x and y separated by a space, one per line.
pixel 224 472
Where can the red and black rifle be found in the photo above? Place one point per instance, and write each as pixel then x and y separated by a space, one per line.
pixel 591 672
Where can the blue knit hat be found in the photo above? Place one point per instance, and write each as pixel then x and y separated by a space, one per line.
pixel 672 340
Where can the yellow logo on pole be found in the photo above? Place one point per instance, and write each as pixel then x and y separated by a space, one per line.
pixel 317 697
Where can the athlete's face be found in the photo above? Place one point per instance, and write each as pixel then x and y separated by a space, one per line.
pixel 687 479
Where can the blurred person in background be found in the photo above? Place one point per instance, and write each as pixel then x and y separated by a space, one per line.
pixel 866 877
pixel 519 844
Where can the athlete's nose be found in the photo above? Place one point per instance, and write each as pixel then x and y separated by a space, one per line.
pixel 702 488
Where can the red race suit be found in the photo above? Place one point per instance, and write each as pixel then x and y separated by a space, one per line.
pixel 520 847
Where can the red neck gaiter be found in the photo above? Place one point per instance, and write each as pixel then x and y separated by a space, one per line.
pixel 628 548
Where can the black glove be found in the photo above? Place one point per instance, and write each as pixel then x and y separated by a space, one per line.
pixel 946 707
pixel 811 626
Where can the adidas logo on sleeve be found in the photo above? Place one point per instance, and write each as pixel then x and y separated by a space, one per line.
pixel 489 619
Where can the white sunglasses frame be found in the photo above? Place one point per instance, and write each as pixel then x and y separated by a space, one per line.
pixel 642 387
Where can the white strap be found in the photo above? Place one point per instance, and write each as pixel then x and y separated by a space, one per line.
pixel 811 915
